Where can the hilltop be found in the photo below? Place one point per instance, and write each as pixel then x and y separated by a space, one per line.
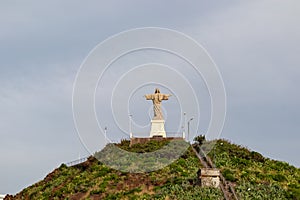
pixel 252 176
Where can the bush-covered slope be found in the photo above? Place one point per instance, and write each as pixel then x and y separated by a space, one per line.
pixel 254 177
pixel 93 180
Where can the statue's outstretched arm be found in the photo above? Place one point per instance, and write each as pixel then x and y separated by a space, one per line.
pixel 166 96
pixel 148 96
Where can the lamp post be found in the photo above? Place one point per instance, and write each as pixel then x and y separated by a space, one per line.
pixel 105 133
pixel 183 125
pixel 130 125
pixel 189 128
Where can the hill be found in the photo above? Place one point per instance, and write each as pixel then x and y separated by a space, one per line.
pixel 252 175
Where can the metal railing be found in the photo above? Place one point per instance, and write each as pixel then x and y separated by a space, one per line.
pixel 76 162
pixel 146 134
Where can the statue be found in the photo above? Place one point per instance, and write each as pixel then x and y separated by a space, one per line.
pixel 157 98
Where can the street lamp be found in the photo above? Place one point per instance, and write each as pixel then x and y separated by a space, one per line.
pixel 183 125
pixel 105 133
pixel 130 125
pixel 189 128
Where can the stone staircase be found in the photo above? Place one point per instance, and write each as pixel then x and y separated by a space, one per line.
pixel 225 186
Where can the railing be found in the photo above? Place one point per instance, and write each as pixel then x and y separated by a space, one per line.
pixel 224 192
pixel 233 191
pixel 76 162
pixel 147 134
pixel 200 158
pixel 226 187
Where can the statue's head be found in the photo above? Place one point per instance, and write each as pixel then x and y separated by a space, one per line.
pixel 157 90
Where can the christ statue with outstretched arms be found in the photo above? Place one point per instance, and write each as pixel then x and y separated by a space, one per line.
pixel 157 98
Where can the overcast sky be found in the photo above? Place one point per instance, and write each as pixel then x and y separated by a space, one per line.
pixel 254 43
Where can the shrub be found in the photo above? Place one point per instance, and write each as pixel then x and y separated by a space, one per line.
pixel 199 139
pixel 228 175
pixel 279 177
pixel 257 156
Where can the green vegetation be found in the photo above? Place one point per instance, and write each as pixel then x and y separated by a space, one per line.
pixel 140 158
pixel 256 177
pixel 94 180
pixel 142 148
pixel 252 175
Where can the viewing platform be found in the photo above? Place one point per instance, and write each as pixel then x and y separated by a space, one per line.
pixel 169 137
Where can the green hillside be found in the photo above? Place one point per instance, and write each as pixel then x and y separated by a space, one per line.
pixel 256 177
pixel 253 176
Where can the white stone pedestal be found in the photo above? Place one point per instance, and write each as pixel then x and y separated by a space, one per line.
pixel 157 128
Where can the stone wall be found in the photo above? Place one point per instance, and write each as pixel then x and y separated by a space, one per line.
pixel 210 177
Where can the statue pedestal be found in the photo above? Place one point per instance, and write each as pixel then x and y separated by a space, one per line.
pixel 157 128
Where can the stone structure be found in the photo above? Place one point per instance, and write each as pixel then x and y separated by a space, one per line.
pixel 209 177
pixel 158 122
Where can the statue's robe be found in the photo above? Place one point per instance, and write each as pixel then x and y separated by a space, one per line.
pixel 157 98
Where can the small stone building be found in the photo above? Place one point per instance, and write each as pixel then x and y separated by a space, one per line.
pixel 209 177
